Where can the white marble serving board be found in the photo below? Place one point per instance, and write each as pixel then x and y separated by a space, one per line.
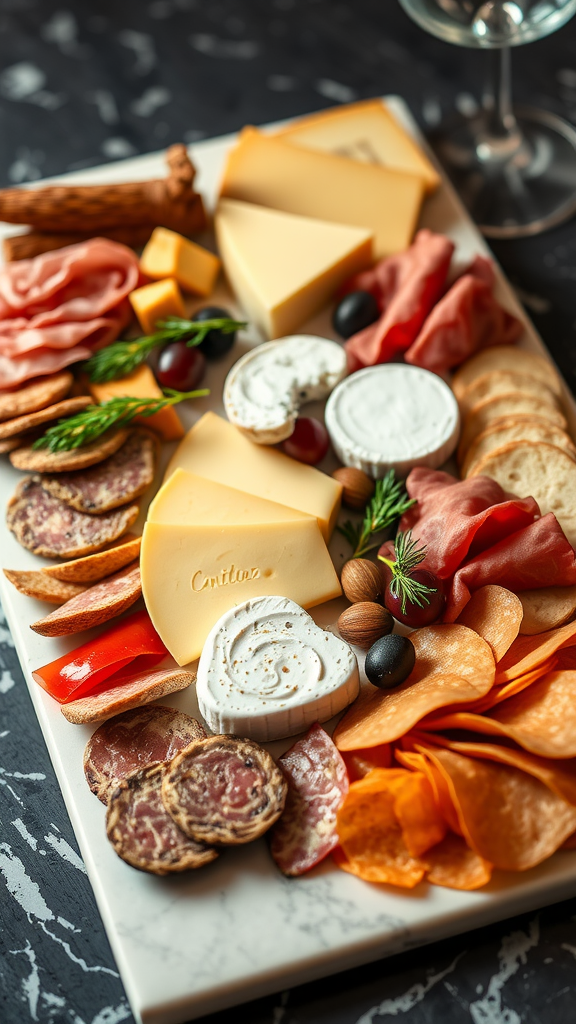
pixel 192 944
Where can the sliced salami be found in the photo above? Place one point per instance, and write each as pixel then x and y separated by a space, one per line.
pixel 49 527
pixel 92 607
pixel 121 478
pixel 133 740
pixel 317 785
pixel 143 833
pixel 224 790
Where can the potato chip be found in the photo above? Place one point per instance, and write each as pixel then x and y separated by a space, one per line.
pixel 506 357
pixel 442 798
pixel 360 762
pixel 527 652
pixel 500 408
pixel 546 608
pixel 540 470
pixel 542 718
pixel 495 614
pixel 419 817
pixel 455 866
pixel 370 835
pixel 515 428
pixel 453 665
pixel 501 382
pixel 494 697
pixel 96 567
pixel 508 817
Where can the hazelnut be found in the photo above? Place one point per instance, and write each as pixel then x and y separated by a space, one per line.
pixel 357 487
pixel 364 623
pixel 361 580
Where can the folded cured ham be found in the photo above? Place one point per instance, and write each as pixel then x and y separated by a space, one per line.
pixel 57 308
pixel 475 534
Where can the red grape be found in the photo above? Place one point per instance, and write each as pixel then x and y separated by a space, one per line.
pixel 309 442
pixel 180 367
pixel 416 615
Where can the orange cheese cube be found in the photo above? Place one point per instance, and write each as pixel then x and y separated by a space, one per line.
pixel 141 383
pixel 168 254
pixel 154 302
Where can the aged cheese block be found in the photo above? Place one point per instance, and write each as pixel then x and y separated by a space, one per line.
pixel 283 176
pixel 169 254
pixel 141 383
pixel 284 268
pixel 191 575
pixel 364 131
pixel 216 450
pixel 153 302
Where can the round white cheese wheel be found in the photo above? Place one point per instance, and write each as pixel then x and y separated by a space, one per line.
pixel 393 416
pixel 266 387
pixel 268 671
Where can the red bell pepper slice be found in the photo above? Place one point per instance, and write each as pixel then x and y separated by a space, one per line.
pixel 134 642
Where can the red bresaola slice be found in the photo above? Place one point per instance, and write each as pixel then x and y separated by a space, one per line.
pixel 317 784
pixel 224 790
pixel 135 740
pixel 465 320
pixel 143 833
pixel 406 285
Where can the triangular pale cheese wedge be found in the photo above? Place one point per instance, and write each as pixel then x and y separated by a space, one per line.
pixel 187 499
pixel 191 575
pixel 284 268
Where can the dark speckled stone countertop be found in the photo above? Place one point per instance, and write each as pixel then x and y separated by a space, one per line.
pixel 82 84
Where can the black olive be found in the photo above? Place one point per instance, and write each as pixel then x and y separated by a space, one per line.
pixel 356 311
pixel 216 343
pixel 390 661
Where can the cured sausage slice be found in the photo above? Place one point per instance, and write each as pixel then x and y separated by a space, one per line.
pixel 133 740
pixel 143 833
pixel 49 527
pixel 317 785
pixel 121 478
pixel 224 790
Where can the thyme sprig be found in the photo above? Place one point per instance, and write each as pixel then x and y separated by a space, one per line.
pixel 123 357
pixel 409 554
pixel 89 424
pixel 388 503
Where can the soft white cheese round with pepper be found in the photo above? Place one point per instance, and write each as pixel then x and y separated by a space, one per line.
pixel 393 416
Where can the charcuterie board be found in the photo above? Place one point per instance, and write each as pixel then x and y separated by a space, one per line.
pixel 193 944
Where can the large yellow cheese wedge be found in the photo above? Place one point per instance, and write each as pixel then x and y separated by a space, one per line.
pixel 169 254
pixel 271 172
pixel 187 499
pixel 191 575
pixel 365 131
pixel 216 450
pixel 284 268
pixel 141 383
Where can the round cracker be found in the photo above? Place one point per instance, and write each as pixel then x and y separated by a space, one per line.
pixel 539 470
pixel 546 608
pixel 515 428
pixel 41 460
pixel 502 407
pixel 507 357
pixel 37 394
pixel 10 444
pixel 21 424
pixel 502 382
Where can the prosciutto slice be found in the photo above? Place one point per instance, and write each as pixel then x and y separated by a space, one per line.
pixel 406 286
pixel 465 320
pixel 317 784
pixel 59 307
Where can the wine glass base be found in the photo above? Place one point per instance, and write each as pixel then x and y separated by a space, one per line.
pixel 523 188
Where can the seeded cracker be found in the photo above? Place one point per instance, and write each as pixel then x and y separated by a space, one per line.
pixel 31 420
pixel 36 395
pixel 42 460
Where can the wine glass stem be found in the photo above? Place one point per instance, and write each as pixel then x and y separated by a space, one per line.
pixel 502 137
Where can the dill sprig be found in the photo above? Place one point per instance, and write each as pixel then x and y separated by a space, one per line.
pixel 122 357
pixel 388 503
pixel 89 424
pixel 402 585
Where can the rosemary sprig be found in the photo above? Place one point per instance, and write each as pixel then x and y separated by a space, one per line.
pixel 402 585
pixel 388 503
pixel 89 424
pixel 122 357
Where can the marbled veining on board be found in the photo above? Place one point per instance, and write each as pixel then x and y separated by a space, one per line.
pixel 79 86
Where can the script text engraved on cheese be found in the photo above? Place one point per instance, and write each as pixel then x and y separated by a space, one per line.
pixel 224 578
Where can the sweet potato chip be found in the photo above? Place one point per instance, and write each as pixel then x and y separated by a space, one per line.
pixel 370 835
pixel 360 762
pixel 453 665
pixel 455 866
pixel 508 817
pixel 527 652
pixel 546 608
pixel 418 815
pixel 495 614
pixel 418 762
